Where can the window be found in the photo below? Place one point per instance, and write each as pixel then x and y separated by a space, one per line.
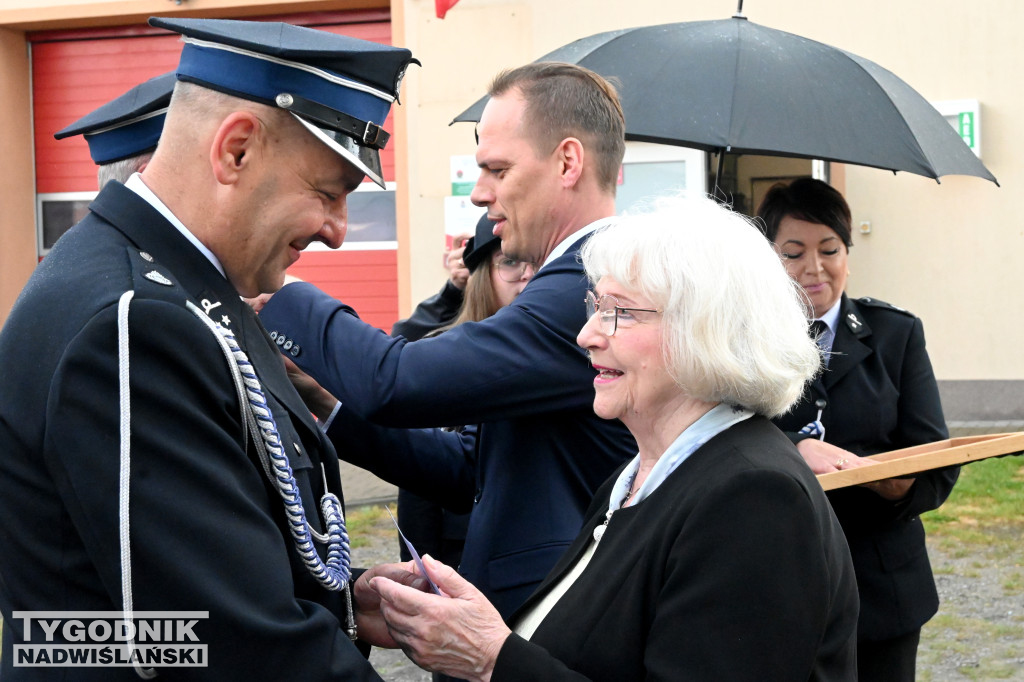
pixel 650 170
pixel 56 213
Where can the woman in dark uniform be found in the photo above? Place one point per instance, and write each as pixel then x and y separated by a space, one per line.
pixel 877 393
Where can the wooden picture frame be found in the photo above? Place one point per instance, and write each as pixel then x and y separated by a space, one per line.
pixel 943 453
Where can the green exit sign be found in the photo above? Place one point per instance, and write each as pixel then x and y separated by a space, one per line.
pixel 965 117
pixel 965 125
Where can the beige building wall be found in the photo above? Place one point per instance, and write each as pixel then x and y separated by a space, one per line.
pixel 951 253
pixel 17 190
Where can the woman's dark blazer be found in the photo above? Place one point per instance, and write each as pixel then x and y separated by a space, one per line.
pixel 734 568
pixel 881 395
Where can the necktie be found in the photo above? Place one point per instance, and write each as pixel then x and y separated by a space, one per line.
pixel 817 330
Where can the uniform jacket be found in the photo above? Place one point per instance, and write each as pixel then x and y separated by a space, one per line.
pixel 881 395
pixel 207 532
pixel 734 568
pixel 519 374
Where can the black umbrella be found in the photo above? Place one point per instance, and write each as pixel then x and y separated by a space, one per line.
pixel 738 87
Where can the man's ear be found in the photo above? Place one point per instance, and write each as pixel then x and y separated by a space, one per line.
pixel 570 157
pixel 234 144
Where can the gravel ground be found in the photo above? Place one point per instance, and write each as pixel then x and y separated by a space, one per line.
pixel 978 634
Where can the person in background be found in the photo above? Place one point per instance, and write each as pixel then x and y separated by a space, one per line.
pixel 440 309
pixel 877 393
pixel 492 281
pixel 713 554
pixel 156 457
pixel 123 133
pixel 551 142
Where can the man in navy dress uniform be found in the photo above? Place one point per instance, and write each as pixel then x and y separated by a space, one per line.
pixel 551 142
pixel 123 133
pixel 156 458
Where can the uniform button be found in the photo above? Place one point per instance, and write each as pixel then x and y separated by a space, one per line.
pixel 288 344
pixel 273 335
pixel 281 339
pixel 295 351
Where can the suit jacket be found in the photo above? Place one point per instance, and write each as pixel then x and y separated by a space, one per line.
pixel 430 527
pixel 519 374
pixel 207 531
pixel 734 568
pixel 881 395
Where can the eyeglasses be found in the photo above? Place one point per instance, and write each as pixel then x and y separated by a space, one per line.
pixel 611 314
pixel 511 270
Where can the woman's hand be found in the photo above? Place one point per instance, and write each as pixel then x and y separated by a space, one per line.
pixel 458 273
pixel 459 634
pixel 369 621
pixel 892 489
pixel 824 458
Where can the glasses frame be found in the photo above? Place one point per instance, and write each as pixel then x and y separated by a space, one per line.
pixel 593 306
pixel 520 268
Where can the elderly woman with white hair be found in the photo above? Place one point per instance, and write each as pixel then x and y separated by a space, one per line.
pixel 714 554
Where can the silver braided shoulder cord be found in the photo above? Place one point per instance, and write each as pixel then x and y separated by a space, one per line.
pixel 124 496
pixel 335 573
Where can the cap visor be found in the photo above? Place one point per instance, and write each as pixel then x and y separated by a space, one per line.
pixel 364 158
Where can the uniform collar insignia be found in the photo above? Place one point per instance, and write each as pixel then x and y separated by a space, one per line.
pixel 208 308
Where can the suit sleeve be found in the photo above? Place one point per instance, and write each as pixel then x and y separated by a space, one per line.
pixel 752 553
pixel 204 530
pixel 435 464
pixel 522 360
pixel 921 421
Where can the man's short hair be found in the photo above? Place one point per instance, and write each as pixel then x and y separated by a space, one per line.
pixel 567 100
pixel 734 327
pixel 123 169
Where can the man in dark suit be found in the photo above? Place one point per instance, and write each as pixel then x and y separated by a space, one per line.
pixel 548 178
pixel 158 463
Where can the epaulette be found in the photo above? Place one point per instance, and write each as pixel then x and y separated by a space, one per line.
pixel 152 280
pixel 877 303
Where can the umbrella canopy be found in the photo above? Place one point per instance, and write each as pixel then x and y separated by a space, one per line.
pixel 735 86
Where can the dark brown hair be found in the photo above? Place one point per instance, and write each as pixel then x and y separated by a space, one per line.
pixel 805 199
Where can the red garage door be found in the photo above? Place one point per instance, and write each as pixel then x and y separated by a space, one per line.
pixel 76 71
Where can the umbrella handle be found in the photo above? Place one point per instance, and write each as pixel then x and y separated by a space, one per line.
pixel 717 191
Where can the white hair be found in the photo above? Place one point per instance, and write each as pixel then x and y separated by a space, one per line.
pixel 123 169
pixel 734 327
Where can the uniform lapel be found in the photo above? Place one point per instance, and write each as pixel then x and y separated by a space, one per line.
pixel 848 349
